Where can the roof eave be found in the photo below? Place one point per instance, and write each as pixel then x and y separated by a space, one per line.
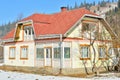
pixel 26 21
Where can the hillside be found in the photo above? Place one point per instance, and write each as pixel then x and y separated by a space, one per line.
pixel 6 28
pixel 113 18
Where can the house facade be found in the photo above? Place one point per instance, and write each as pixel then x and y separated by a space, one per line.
pixel 75 39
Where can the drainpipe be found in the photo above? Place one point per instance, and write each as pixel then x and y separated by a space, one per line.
pixel 61 54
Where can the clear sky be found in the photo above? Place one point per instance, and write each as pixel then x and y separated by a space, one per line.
pixel 11 9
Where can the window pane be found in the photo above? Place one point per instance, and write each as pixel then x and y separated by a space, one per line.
pixel 24 52
pixel 101 52
pixel 66 52
pixel 12 52
pixel 84 52
pixel 40 53
pixel 56 52
pixel 111 51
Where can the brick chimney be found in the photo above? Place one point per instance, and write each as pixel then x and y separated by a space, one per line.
pixel 63 9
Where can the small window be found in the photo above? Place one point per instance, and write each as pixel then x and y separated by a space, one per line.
pixel 66 52
pixel 56 52
pixel 12 53
pixel 110 51
pixel 24 52
pixel 89 30
pixel 40 52
pixel 85 52
pixel 102 52
pixel 28 33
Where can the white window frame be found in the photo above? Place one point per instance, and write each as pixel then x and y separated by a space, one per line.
pixel 12 52
pixel 24 52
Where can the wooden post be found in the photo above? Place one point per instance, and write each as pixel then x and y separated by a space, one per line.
pixel 61 54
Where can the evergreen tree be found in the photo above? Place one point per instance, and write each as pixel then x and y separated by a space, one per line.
pixel 108 1
pixel 94 3
pixel 112 1
pixel 119 4
pixel 68 8
pixel 116 9
pixel 81 5
pixel 98 8
pixel 76 6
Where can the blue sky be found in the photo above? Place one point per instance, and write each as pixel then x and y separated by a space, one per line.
pixel 11 9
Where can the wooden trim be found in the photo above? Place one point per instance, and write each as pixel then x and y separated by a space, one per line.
pixel 84 58
pixel 23 33
pixel 86 45
pixel 103 58
pixel 21 53
pixel 68 39
pixel 27 24
pixel 48 47
pixel 14 53
pixel 90 22
pixel 35 55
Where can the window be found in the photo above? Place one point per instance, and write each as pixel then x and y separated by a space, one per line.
pixel 110 51
pixel 85 52
pixel 24 52
pixel 102 52
pixel 56 52
pixel 89 30
pixel 66 52
pixel 28 33
pixel 40 52
pixel 12 53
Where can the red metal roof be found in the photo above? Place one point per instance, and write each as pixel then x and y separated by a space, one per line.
pixel 9 34
pixel 57 23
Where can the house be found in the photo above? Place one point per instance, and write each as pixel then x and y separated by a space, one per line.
pixel 76 41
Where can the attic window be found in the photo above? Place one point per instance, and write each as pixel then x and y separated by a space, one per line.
pixel 28 33
pixel 89 30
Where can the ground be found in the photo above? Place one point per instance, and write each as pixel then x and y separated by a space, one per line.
pixel 5 75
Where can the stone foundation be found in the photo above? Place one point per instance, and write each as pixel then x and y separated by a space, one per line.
pixel 79 72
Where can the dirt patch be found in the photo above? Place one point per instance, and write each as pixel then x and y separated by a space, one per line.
pixel 45 71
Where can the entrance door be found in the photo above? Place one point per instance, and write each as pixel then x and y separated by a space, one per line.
pixel 48 57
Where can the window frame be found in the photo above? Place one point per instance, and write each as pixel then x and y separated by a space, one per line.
pixel 14 53
pixel 110 51
pixel 89 53
pixel 37 53
pixel 27 27
pixel 69 53
pixel 21 58
pixel 58 48
pixel 106 52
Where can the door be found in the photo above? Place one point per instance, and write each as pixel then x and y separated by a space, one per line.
pixel 48 57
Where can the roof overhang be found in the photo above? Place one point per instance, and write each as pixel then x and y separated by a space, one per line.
pixel 23 22
pixel 8 40
pixel 50 36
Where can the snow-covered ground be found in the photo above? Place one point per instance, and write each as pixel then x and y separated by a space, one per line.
pixel 23 76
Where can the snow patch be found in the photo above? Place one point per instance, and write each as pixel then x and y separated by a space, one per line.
pixel 22 76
